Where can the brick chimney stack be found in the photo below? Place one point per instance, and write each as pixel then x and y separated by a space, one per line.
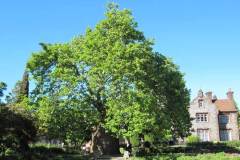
pixel 230 94
pixel 214 98
pixel 209 95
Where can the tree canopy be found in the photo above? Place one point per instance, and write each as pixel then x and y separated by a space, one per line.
pixel 3 87
pixel 108 78
pixel 20 91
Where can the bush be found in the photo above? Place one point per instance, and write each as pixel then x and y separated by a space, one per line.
pixel 9 151
pixel 135 141
pixel 46 150
pixel 191 140
pixel 16 131
pixel 122 150
pixel 234 144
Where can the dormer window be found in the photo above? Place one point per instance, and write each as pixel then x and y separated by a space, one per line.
pixel 200 103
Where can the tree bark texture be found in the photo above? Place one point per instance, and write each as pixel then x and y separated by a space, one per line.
pixel 103 143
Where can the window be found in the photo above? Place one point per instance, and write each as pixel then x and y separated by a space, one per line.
pixel 202 117
pixel 200 103
pixel 225 135
pixel 223 118
pixel 203 134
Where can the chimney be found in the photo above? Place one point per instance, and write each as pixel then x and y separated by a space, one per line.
pixel 230 94
pixel 200 93
pixel 209 95
pixel 214 98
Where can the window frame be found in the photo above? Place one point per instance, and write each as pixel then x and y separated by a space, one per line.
pixel 202 117
pixel 200 103
pixel 203 134
pixel 221 119
pixel 223 133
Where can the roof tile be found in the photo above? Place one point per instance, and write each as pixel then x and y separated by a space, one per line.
pixel 226 105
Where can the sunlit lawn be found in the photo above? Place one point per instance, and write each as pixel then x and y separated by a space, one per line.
pixel 217 156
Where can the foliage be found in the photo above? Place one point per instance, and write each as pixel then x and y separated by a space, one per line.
pixel 192 140
pixel 44 152
pixel 3 87
pixel 134 140
pixel 62 123
pixel 45 149
pixel 149 138
pixel 12 96
pixel 18 100
pixel 16 131
pixel 234 144
pixel 20 91
pixel 122 150
pixel 17 125
pixel 108 77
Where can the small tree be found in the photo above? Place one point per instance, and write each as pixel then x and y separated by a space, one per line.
pixel 20 91
pixel 192 139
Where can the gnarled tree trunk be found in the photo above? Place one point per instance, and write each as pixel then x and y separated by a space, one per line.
pixel 103 143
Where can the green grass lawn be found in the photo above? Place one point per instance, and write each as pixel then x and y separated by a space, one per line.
pixel 209 156
pixel 217 156
pixel 49 157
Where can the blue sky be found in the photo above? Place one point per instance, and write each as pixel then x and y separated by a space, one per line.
pixel 202 37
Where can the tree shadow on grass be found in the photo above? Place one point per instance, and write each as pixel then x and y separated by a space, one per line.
pixel 44 153
pixel 163 157
pixel 174 152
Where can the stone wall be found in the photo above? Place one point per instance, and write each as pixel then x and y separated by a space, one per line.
pixel 211 124
pixel 232 125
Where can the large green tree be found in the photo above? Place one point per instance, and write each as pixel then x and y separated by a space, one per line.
pixel 111 83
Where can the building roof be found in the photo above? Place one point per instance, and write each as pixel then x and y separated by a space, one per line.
pixel 226 105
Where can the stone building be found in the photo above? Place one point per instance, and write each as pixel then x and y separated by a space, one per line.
pixel 214 119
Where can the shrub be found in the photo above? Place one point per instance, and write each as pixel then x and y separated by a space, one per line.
pixel 191 140
pixel 149 138
pixel 122 150
pixel 9 151
pixel 16 131
pixel 234 144
pixel 135 141
pixel 46 150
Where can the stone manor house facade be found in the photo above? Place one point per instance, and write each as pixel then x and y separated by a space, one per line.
pixel 214 119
